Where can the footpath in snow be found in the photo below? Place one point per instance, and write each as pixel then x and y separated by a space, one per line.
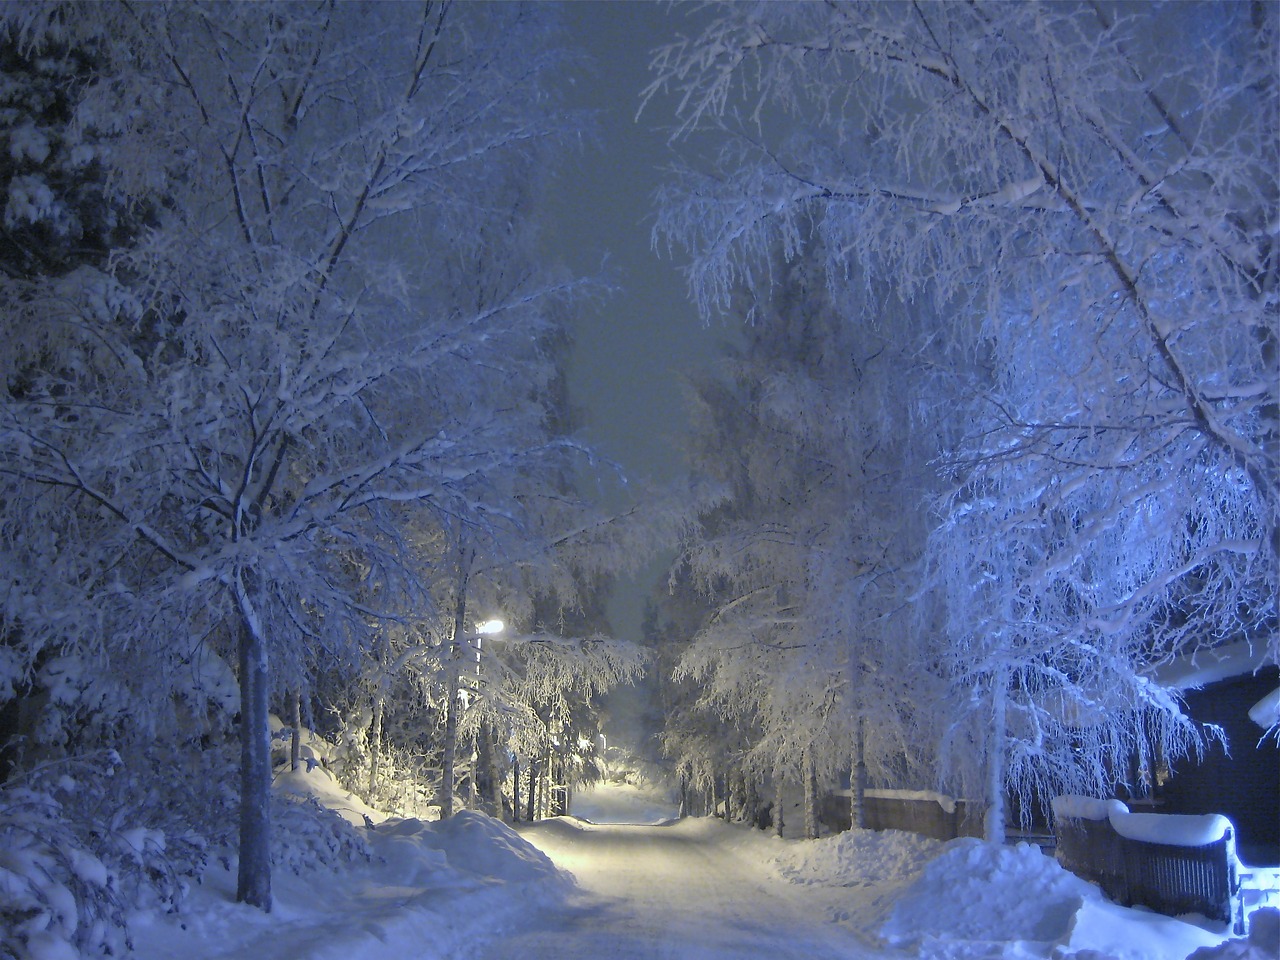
pixel 471 888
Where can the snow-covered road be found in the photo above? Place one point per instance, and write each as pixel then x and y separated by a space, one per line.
pixel 679 891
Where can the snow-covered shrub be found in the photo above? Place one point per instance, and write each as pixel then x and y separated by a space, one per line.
pixel 78 849
pixel 307 835
pixel 85 840
pixel 56 897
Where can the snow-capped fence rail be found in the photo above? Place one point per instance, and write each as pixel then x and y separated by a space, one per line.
pixel 1173 864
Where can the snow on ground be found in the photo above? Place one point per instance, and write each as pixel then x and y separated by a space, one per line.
pixel 690 889
pixel 474 889
pixel 624 803
pixel 1020 898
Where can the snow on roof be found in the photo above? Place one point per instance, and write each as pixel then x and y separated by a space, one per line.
pixel 1266 712
pixel 948 804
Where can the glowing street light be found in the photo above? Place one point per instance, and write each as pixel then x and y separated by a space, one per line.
pixel 487 628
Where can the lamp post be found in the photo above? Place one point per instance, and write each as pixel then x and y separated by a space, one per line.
pixel 484 791
pixel 456 697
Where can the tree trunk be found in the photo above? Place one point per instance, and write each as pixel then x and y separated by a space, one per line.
pixel 750 801
pixel 548 780
pixel 994 821
pixel 810 798
pixel 453 668
pixel 473 775
pixel 858 793
pixel 450 749
pixel 684 796
pixel 375 745
pixel 485 774
pixel 515 789
pixel 777 804
pixel 533 791
pixel 253 883
pixel 563 781
pixel 295 742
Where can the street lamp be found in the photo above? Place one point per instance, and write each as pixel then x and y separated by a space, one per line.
pixel 458 699
pixel 487 628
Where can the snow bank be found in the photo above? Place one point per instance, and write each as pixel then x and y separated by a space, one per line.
pixel 857 858
pixel 980 900
pixel 477 844
pixel 1175 829
pixel 1106 931
pixel 432 891
pixel 319 784
pixel 1263 942
pixel 983 892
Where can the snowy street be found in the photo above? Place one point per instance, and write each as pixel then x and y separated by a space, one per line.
pixel 471 888
pixel 672 891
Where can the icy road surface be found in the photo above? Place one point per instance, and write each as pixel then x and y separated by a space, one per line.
pixel 678 892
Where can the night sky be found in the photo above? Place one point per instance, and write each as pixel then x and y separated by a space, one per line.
pixel 632 348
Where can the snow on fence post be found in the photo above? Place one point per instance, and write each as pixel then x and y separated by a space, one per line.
pixel 1086 843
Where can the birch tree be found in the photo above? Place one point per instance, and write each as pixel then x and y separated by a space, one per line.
pixel 234 421
pixel 1085 195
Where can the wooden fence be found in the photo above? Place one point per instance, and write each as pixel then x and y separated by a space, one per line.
pixel 1170 878
pixel 919 811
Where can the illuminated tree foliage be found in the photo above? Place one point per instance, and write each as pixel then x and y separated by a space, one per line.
pixel 1084 196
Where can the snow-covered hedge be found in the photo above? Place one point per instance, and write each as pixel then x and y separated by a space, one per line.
pixel 308 835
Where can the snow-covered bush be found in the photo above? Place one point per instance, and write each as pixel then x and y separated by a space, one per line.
pixel 55 896
pixel 81 845
pixel 308 835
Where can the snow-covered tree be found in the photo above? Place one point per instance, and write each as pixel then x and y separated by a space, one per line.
pixel 1086 196
pixel 807 564
pixel 235 420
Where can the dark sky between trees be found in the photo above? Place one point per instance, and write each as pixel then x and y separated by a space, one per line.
pixel 633 347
